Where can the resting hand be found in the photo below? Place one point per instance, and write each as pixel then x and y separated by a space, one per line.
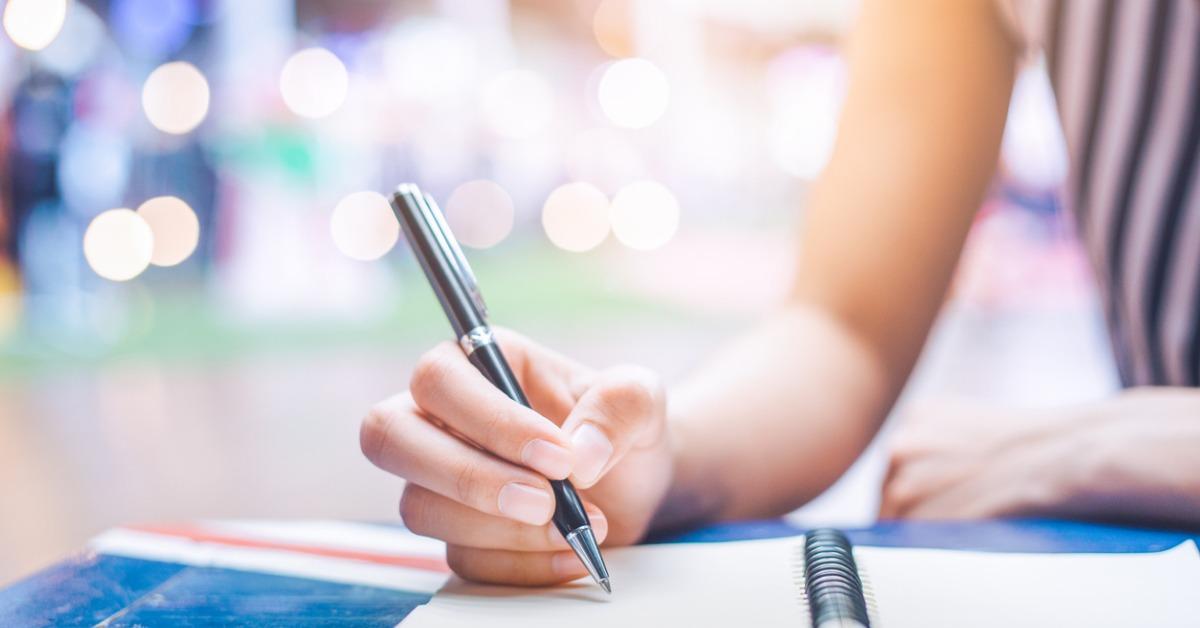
pixel 477 463
pixel 1131 457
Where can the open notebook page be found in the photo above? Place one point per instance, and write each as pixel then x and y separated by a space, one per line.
pixel 752 583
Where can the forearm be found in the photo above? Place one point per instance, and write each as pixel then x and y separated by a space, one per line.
pixel 773 419
pixel 778 415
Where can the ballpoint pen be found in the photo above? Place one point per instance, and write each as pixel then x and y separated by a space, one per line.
pixel 450 276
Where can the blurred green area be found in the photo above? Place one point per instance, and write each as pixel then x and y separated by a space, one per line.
pixel 529 286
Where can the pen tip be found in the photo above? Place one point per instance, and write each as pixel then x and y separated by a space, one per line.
pixel 607 586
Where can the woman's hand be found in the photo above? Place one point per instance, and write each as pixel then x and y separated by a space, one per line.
pixel 1132 457
pixel 477 463
pixel 953 459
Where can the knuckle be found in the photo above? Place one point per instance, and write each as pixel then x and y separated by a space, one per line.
pixel 430 372
pixel 458 558
pixel 901 452
pixel 495 426
pixel 478 565
pixel 373 433
pixel 467 482
pixel 632 392
pixel 413 510
pixel 909 447
pixel 898 492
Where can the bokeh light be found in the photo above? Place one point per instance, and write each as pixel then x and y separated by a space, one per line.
pixel 175 227
pixel 314 83
pixel 633 93
pixel 480 214
pixel 612 24
pixel 363 226
pixel 118 244
pixel 575 217
pixel 79 43
pixel 175 97
pixel 429 61
pixel 518 104
pixel 645 215
pixel 33 24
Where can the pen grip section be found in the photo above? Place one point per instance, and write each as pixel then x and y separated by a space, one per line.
pixel 569 514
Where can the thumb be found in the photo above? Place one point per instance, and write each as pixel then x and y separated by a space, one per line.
pixel 622 408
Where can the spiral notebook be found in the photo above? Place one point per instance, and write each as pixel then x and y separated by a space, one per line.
pixel 761 583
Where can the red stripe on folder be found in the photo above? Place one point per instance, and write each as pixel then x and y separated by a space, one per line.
pixel 425 563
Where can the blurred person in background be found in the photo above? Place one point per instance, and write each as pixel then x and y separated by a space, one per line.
pixel 778 415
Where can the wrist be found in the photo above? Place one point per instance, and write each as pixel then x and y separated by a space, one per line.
pixel 1101 465
pixel 1061 476
pixel 692 497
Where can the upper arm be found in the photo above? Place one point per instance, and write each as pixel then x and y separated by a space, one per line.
pixel 920 130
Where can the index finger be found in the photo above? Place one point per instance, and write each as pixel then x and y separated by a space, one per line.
pixel 447 386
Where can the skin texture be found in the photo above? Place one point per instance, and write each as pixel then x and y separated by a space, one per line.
pixel 780 412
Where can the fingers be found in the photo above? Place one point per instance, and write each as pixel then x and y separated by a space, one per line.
pixel 514 568
pixel 1016 484
pixel 622 408
pixel 907 484
pixel 912 485
pixel 892 500
pixel 446 385
pixel 429 514
pixel 397 439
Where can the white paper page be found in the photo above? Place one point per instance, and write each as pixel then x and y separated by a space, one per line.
pixel 752 583
pixel 923 587
pixel 741 583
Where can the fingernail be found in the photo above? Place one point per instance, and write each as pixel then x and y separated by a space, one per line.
pixel 547 458
pixel 592 451
pixel 567 565
pixel 526 503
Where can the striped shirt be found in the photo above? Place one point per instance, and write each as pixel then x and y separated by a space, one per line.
pixel 1126 76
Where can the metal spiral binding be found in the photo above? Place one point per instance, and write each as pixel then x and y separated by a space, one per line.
pixel 833 590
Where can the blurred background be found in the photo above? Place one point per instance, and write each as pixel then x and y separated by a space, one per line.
pixel 201 285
